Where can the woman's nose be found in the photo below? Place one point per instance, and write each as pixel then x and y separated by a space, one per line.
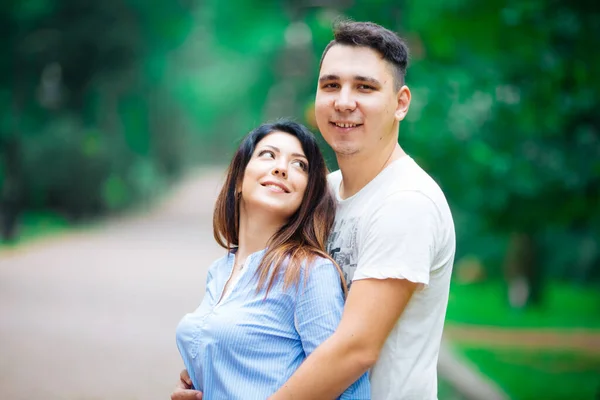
pixel 280 171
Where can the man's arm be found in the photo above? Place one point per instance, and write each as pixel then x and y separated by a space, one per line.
pixel 371 311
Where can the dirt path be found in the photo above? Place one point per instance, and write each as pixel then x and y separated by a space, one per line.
pixel 92 315
pixel 583 340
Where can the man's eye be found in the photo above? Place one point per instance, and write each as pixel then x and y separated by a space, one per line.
pixel 365 87
pixel 330 86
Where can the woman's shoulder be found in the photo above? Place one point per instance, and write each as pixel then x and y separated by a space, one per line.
pixel 322 278
pixel 320 265
pixel 319 260
pixel 220 264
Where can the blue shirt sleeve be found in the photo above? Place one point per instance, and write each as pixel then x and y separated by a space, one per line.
pixel 318 313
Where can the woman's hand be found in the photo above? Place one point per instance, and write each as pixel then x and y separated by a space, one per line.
pixel 183 390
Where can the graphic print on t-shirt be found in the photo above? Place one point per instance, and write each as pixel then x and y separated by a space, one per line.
pixel 341 246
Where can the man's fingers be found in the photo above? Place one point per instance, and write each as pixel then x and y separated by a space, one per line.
pixel 183 389
pixel 186 394
pixel 185 378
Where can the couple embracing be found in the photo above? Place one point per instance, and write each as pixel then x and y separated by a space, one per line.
pixel 333 285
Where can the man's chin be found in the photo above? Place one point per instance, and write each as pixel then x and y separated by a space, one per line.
pixel 345 150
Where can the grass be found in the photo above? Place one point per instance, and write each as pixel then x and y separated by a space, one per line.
pixel 564 306
pixel 524 373
pixel 33 225
pixel 532 375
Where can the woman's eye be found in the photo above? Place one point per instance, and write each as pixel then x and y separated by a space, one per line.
pixel 267 153
pixel 301 164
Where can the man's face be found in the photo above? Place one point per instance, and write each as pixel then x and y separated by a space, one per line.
pixel 357 106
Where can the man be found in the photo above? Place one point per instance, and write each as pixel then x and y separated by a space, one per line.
pixel 393 236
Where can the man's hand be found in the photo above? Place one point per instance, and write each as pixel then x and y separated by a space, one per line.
pixel 183 390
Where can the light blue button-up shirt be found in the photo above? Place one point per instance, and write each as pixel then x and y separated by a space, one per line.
pixel 246 346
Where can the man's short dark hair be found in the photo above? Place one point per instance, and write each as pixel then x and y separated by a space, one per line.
pixel 368 34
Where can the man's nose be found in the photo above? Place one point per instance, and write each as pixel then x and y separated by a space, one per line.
pixel 345 100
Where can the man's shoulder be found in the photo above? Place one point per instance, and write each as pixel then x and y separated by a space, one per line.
pixel 407 174
pixel 334 176
pixel 409 177
pixel 334 179
pixel 407 190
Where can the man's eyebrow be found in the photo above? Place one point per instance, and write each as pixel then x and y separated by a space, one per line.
pixel 279 151
pixel 360 78
pixel 329 77
pixel 368 79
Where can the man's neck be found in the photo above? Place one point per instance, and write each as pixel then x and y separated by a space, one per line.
pixel 255 231
pixel 360 169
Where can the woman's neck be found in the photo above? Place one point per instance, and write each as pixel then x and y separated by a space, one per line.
pixel 255 231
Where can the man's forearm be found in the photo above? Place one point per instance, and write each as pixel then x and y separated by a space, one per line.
pixel 335 365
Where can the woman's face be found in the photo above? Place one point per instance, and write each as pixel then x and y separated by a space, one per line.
pixel 276 176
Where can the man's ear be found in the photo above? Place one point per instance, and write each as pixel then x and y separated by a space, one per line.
pixel 403 104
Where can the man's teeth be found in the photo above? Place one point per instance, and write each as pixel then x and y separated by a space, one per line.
pixel 342 125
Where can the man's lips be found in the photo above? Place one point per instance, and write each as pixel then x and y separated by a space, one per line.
pixel 274 184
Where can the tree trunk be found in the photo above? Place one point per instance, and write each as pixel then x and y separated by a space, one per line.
pixel 522 271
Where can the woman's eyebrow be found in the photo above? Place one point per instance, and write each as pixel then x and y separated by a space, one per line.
pixel 279 151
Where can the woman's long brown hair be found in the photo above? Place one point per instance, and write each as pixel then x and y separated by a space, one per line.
pixel 304 236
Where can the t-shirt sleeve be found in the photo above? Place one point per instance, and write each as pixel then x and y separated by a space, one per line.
pixel 398 239
pixel 318 313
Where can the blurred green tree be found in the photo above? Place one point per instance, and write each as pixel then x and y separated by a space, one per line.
pixel 75 78
pixel 504 116
pixel 519 125
pixel 109 102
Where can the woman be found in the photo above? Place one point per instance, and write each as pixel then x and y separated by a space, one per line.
pixel 276 295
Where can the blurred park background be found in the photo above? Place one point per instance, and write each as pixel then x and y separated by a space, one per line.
pixel 106 105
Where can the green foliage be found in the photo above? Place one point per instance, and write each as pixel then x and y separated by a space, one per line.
pixel 503 116
pixel 107 98
pixel 516 132
pixel 106 103
pixel 37 224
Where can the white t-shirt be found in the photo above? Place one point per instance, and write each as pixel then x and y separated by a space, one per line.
pixel 400 226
